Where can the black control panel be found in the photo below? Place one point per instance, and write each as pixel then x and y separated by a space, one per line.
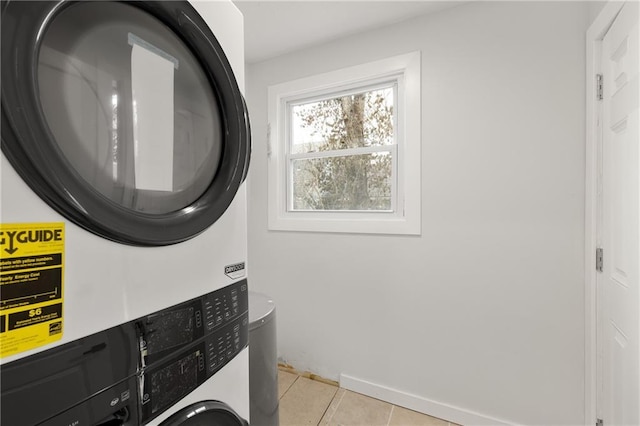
pixel 224 306
pixel 131 373
pixel 166 382
pixel 165 332
pixel 224 345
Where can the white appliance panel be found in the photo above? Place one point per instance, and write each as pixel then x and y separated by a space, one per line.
pixel 107 283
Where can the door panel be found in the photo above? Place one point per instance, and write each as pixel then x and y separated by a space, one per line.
pixel 619 282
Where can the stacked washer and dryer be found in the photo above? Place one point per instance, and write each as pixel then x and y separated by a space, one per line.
pixel 125 145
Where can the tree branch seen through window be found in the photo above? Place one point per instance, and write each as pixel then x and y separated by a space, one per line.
pixel 342 152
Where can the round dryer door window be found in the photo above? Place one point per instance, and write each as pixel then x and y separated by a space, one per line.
pixel 124 117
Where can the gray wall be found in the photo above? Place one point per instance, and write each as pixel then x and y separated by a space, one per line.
pixel 484 312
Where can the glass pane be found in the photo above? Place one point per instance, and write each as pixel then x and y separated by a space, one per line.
pixel 359 120
pixel 354 182
pixel 129 106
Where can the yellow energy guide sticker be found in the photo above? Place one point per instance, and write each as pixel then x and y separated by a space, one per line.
pixel 31 285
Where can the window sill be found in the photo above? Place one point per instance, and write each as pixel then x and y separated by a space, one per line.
pixel 356 223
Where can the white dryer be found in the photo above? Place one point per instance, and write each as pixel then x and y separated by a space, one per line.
pixel 125 145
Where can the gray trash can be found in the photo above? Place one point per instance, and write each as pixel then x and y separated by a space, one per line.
pixel 263 361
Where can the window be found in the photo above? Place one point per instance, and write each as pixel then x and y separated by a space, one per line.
pixel 344 150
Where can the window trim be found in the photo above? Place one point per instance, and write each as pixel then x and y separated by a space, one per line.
pixel 405 216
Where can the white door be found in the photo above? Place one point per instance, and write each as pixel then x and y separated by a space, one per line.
pixel 619 319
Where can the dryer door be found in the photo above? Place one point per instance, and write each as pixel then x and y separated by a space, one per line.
pixel 205 413
pixel 125 117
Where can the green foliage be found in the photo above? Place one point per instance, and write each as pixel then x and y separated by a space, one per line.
pixel 352 182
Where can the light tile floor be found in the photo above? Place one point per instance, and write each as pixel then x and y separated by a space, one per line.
pixel 308 402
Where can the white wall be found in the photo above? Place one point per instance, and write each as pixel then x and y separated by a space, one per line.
pixel 595 7
pixel 484 311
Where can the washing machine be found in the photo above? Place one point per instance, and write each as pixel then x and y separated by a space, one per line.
pixel 125 146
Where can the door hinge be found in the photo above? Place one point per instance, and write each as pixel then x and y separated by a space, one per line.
pixel 599 259
pixel 599 422
pixel 269 140
pixel 599 87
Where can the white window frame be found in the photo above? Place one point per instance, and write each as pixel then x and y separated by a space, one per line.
pixel 403 71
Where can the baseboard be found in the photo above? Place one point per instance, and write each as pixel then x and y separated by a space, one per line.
pixel 418 403
pixel 309 375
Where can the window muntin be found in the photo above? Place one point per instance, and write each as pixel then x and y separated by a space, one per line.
pixel 342 150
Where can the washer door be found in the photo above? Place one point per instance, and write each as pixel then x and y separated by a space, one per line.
pixel 205 413
pixel 125 117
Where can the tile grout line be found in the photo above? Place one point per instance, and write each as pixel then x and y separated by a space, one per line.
pixel 339 402
pixel 390 414
pixel 288 389
pixel 336 408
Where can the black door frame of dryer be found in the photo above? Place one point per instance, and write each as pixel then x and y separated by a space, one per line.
pixel 29 145
pixel 209 413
